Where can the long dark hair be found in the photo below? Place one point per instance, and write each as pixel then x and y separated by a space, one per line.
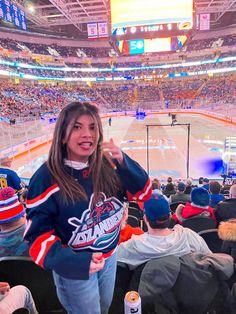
pixel 103 176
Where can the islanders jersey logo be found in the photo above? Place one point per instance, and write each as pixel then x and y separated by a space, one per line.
pixel 99 226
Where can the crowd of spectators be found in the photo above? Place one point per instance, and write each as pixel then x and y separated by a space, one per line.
pixel 31 100
pixel 217 42
pixel 54 49
pixel 104 52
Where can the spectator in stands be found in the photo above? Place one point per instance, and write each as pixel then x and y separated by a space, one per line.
pixel 227 209
pixel 12 225
pixel 227 232
pixel 215 196
pixel 12 299
pixel 169 188
pixel 160 240
pixel 200 200
pixel 156 188
pixel 23 196
pixel 205 183
pixel 228 179
pixel 75 207
pixel 188 188
pixel 200 182
pixel 126 231
pixel 180 196
pixel 9 177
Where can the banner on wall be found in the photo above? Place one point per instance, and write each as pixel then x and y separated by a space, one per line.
pixel 204 22
pixel 102 30
pixel 92 30
pixel 97 30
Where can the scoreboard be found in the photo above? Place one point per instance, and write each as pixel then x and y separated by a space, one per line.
pixel 148 19
pixel 12 14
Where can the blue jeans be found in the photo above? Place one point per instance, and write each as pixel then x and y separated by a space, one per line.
pixel 92 296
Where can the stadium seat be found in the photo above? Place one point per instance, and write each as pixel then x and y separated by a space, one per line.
pixel 23 271
pixel 134 205
pixel 212 239
pixel 135 212
pixel 199 223
pixel 133 221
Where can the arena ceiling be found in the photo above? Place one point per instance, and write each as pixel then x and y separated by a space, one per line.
pixel 61 14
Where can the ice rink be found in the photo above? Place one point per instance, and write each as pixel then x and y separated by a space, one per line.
pixel 167 145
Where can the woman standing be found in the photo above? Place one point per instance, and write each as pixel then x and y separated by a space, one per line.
pixel 75 209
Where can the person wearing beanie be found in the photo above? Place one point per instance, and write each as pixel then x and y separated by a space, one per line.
pixel 160 240
pixel 9 177
pixel 180 195
pixel 12 224
pixel 200 200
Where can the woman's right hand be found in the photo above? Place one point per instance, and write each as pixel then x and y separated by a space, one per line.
pixel 97 263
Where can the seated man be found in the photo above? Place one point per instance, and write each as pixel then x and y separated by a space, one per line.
pixel 200 198
pixel 159 241
pixel 180 195
pixel 206 183
pixel 12 225
pixel 15 298
pixel 215 196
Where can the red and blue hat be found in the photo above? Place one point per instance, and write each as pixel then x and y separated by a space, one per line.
pixel 10 207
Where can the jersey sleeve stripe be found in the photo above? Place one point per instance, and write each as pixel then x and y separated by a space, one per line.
pixel 42 197
pixel 41 246
pixel 143 195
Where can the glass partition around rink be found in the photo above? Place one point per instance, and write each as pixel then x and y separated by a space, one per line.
pixel 162 152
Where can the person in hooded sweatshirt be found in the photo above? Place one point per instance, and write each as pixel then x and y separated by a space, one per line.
pixel 160 240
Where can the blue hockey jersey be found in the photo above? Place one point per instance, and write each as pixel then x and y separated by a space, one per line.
pixel 10 178
pixel 64 237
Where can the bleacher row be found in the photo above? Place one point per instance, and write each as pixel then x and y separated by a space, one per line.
pixel 60 51
pixel 199 93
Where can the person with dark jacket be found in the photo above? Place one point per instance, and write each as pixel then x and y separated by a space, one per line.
pixel 75 207
pixel 169 188
pixel 180 195
pixel 227 209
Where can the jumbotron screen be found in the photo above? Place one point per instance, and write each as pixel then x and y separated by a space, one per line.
pixel 130 18
pixel 141 46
